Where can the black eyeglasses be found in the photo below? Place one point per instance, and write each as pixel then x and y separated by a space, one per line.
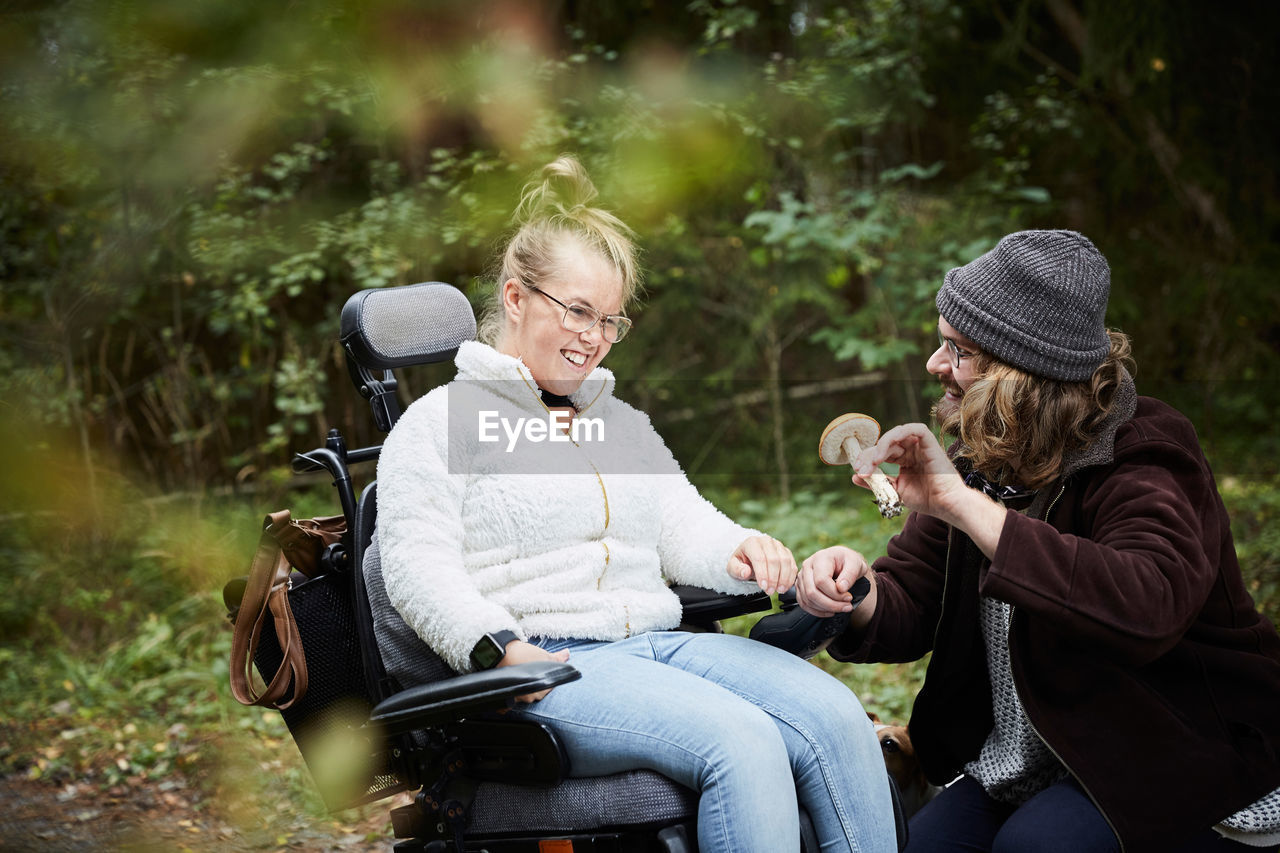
pixel 955 351
pixel 580 318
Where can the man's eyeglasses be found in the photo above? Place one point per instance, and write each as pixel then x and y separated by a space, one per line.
pixel 579 318
pixel 955 351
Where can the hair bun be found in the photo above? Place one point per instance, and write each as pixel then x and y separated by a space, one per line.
pixel 556 211
pixel 561 190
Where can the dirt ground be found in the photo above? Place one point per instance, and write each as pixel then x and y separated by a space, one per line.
pixel 40 816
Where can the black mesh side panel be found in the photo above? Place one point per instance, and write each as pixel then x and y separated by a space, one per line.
pixel 336 703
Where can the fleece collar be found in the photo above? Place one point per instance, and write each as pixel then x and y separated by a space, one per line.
pixel 1101 451
pixel 510 378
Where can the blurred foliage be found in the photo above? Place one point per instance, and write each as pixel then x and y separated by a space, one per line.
pixel 190 191
pixel 189 195
pixel 114 669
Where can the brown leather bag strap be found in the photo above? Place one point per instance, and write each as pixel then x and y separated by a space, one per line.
pixel 293 663
pixel 267 589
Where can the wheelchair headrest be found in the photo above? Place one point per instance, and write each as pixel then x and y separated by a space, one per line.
pixel 391 327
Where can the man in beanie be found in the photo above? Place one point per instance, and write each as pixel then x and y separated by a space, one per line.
pixel 1101 679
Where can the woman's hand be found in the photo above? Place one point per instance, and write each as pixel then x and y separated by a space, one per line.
pixel 825 578
pixel 766 561
pixel 518 651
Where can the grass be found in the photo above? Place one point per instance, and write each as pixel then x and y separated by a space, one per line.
pixel 1254 506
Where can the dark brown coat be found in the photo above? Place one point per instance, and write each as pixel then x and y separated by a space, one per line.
pixel 1138 654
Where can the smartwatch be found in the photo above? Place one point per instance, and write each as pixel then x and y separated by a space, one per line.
pixel 491 649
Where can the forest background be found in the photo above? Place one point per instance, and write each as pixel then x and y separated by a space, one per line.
pixel 190 191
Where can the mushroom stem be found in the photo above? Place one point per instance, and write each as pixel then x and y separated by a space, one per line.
pixel 886 498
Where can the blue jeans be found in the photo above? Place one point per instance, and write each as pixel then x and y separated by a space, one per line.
pixel 750 727
pixel 1059 819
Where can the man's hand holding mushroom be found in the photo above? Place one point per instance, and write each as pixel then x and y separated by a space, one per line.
pixel 928 483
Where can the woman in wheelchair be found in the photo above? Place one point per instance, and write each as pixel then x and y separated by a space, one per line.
pixel 525 513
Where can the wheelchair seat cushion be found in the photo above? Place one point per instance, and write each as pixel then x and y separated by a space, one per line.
pixel 634 798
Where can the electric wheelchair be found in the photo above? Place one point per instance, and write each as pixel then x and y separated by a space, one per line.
pixel 482 782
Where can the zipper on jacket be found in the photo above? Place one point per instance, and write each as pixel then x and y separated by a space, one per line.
pixel 605 570
pixel 604 494
pixel 1061 491
pixel 1018 692
pixel 946 579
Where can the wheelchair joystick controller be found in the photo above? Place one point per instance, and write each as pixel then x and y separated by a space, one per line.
pixel 793 630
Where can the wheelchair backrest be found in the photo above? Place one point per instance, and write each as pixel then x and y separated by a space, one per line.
pixel 399 327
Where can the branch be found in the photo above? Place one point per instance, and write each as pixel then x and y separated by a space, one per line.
pixel 756 398
pixel 1070 22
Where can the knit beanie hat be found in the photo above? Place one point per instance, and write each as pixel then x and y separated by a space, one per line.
pixel 1036 301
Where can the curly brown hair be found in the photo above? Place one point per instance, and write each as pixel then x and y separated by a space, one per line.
pixel 1016 427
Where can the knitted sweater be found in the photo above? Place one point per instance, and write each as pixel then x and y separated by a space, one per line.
pixel 487 522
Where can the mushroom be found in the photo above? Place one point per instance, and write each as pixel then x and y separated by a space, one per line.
pixel 842 441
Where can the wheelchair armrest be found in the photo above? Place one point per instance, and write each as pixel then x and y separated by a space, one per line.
pixel 454 698
pixel 703 606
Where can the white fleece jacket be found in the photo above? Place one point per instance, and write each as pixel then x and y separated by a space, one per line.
pixel 543 538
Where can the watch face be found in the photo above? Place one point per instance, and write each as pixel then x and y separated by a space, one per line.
pixel 486 653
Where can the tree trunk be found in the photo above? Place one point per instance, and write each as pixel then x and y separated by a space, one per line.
pixel 1191 194
pixel 773 357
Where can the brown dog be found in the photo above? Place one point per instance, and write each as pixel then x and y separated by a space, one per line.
pixel 914 790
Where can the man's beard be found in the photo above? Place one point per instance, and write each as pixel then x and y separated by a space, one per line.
pixel 945 409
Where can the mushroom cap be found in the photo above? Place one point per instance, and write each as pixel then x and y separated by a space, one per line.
pixel 864 428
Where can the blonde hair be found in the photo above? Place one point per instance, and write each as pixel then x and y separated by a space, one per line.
pixel 1016 427
pixel 554 210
